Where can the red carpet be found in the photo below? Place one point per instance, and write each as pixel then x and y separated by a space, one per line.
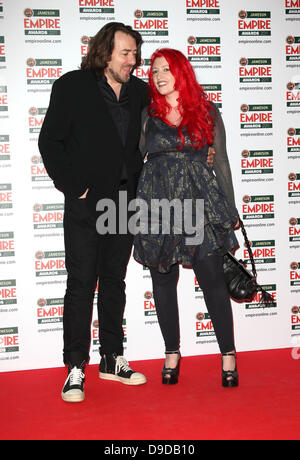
pixel 264 407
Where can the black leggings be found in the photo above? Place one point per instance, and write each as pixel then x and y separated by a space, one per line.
pixel 209 274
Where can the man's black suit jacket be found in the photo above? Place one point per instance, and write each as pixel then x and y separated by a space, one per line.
pixel 79 142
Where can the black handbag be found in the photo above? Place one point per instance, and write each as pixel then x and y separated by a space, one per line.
pixel 241 283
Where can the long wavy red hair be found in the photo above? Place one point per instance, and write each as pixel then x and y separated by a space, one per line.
pixel 193 104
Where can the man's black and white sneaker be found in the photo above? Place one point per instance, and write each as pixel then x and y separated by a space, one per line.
pixel 73 390
pixel 113 367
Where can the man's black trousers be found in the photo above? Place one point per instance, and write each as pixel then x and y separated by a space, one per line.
pixel 91 257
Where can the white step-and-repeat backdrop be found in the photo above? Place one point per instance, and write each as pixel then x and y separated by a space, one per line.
pixel 246 55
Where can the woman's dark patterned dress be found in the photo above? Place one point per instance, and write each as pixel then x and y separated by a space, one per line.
pixel 185 175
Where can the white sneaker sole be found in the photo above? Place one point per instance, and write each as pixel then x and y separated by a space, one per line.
pixel 135 381
pixel 73 398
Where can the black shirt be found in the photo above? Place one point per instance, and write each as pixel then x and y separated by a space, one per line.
pixel 119 110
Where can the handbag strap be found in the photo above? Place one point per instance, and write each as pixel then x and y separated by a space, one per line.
pixel 248 248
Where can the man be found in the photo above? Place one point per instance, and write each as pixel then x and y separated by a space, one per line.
pixel 89 145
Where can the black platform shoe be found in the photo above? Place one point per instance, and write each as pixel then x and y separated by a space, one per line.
pixel 230 379
pixel 170 375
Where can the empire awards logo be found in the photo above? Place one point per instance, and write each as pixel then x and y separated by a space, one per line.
pixel 256 116
pixel 2 52
pixel 50 311
pixel 292 9
pixel 263 252
pixel 4 147
pixel 84 48
pixel 49 263
pixel 3 101
pixel 6 201
pixel 254 23
pixel 294 230
pixel 294 273
pixel 99 7
pixel 43 71
pixel 149 306
pixel 258 207
pixel 41 22
pixel 256 301
pixel 143 71
pixel 151 22
pixel 257 162
pixel 204 49
pixel 294 186
pixel 7 244
pixel 8 294
pixel 214 93
pixel 48 216
pixel 292 49
pixel 9 339
pixel 38 170
pixel 202 8
pixel 204 326
pixel 36 119
pixel 255 70
pixel 293 142
pixel 293 94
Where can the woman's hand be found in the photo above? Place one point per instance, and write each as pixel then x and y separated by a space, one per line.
pixel 237 224
pixel 210 157
pixel 84 195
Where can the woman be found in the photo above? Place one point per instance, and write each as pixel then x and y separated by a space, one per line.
pixel 178 128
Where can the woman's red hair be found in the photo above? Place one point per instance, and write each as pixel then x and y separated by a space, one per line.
pixel 193 104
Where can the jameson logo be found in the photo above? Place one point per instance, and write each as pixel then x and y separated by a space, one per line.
pixel 263 252
pixel 292 7
pixel 202 7
pixel 6 196
pixel 271 288
pixel 294 229
pixel 151 22
pixel 293 94
pixel 204 326
pixel 38 170
pixel 293 140
pixel 294 185
pixel 254 116
pixel 258 207
pixel 9 339
pixel 47 216
pixel 8 294
pixel 254 23
pixel 295 274
pixel 43 71
pixel 4 147
pixel 50 310
pixel 149 306
pixel 97 6
pixel 7 244
pixel 2 48
pixel 41 22
pixel 257 162
pixel 36 118
pixel 214 93
pixel 204 49
pixel 292 49
pixel 3 99
pixel 255 70
pixel 50 263
pixel 144 70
